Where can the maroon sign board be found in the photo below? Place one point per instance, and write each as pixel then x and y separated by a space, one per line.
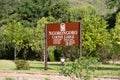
pixel 62 34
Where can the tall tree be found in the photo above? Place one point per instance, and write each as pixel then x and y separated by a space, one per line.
pixel 59 10
pixel 94 33
pixel 17 37
pixel 115 38
pixel 25 11
pixel 31 10
pixel 39 35
pixel 2 42
pixel 114 4
pixel 7 8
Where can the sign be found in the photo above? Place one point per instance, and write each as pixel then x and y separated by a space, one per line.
pixel 63 34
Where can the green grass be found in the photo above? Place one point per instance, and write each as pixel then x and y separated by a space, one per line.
pixel 39 66
pixel 7 65
pixel 35 66
pixel 108 69
pixel 53 67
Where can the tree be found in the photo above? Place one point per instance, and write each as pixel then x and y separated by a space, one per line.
pixel 114 4
pixel 2 42
pixel 17 37
pixel 77 13
pixel 31 10
pixel 80 69
pixel 25 11
pixel 94 33
pixel 39 35
pixel 115 38
pixel 7 7
pixel 59 10
pixel 95 36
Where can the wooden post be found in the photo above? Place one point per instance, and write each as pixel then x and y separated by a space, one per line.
pixel 80 40
pixel 15 51
pixel 46 49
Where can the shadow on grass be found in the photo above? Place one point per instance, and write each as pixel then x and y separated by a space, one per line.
pixel 59 65
pixel 37 68
pixel 112 64
pixel 111 68
pixel 117 64
pixel 42 68
pixel 106 68
pixel 50 67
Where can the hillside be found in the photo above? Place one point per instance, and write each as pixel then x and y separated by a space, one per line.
pixel 99 5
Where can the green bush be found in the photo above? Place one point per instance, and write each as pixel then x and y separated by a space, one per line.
pixel 9 79
pixel 51 57
pixel 51 53
pixel 81 69
pixel 22 65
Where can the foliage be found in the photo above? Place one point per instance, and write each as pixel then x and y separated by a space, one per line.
pixel 47 79
pixel 81 69
pixel 7 11
pixel 13 32
pixel 39 34
pixel 59 10
pixel 115 38
pixel 99 5
pixel 7 7
pixel 33 10
pixel 95 36
pixel 25 35
pixel 38 39
pixel 25 11
pixel 22 65
pixel 14 37
pixel 2 43
pixel 9 79
pixel 77 13
pixel 51 53
pixel 94 33
pixel 114 4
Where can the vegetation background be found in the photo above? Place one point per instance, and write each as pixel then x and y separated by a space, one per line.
pixel 22 25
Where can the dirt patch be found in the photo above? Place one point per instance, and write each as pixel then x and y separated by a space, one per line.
pixel 31 76
pixel 42 76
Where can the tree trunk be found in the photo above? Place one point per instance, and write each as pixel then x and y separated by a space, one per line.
pixel 15 52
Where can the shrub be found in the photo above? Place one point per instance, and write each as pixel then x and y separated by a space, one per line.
pixel 81 69
pixel 51 57
pixel 9 79
pixel 47 79
pixel 22 65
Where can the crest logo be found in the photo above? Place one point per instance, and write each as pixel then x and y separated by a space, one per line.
pixel 62 27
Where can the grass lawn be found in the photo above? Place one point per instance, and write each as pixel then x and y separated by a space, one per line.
pixel 108 69
pixel 37 66
pixel 7 65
